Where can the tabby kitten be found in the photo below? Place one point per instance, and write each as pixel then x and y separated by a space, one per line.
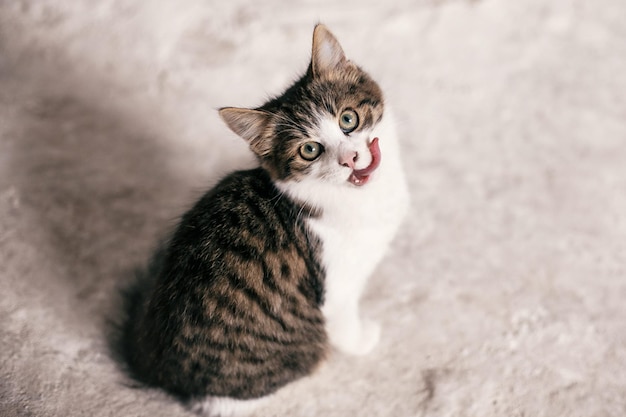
pixel 267 268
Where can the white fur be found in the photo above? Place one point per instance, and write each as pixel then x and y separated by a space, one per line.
pixel 357 224
pixel 226 407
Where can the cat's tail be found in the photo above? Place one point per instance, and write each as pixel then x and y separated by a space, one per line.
pixel 122 342
pixel 124 328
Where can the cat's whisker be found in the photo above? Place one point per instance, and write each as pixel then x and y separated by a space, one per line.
pixel 277 198
pixel 299 215
pixel 284 120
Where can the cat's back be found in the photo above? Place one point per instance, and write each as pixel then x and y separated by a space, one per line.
pixel 236 306
pixel 244 219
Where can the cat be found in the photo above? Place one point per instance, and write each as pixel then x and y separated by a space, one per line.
pixel 265 272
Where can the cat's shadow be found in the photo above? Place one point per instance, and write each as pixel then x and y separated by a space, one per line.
pixel 100 197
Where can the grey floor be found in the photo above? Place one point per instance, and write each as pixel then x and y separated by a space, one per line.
pixel 504 293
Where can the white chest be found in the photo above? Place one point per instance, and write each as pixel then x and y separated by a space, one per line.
pixel 358 226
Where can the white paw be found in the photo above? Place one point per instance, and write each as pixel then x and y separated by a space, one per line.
pixel 358 340
pixel 225 407
pixel 370 336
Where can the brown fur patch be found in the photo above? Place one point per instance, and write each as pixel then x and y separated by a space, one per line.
pixel 228 316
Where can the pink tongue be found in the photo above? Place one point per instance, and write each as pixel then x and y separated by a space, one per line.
pixel 360 176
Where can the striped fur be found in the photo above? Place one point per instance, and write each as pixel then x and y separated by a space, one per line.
pixel 236 308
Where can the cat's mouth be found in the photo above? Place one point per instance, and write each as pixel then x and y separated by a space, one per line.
pixel 361 176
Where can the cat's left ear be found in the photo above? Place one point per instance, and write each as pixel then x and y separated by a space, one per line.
pixel 250 125
pixel 327 54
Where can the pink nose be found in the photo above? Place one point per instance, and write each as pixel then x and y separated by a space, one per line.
pixel 348 159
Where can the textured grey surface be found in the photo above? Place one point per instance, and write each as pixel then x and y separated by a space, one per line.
pixel 502 296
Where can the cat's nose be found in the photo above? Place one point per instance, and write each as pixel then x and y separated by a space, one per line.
pixel 348 159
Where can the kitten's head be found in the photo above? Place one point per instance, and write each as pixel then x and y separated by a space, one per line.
pixel 321 127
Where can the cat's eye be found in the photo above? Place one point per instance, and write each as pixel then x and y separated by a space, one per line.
pixel 311 150
pixel 348 120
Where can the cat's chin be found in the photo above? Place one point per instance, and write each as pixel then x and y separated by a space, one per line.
pixel 359 181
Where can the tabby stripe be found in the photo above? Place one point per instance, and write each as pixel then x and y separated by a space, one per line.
pixel 253 296
pixel 268 278
pixel 369 102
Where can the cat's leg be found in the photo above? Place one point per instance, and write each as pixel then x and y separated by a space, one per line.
pixel 346 277
pixel 347 272
pixel 348 332
pixel 225 406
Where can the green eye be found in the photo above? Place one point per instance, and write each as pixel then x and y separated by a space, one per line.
pixel 311 150
pixel 348 121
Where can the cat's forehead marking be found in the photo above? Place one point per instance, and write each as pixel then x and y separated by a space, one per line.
pixel 329 130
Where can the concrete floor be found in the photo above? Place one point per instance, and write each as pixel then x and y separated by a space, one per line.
pixel 502 296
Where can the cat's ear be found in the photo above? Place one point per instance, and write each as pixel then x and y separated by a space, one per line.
pixel 250 125
pixel 327 54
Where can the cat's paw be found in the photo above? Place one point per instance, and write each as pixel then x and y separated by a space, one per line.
pixel 359 340
pixel 225 407
pixel 370 336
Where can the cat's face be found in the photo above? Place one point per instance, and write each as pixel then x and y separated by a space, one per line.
pixel 321 127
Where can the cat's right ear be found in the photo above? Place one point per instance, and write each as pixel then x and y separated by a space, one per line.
pixel 250 125
pixel 327 54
